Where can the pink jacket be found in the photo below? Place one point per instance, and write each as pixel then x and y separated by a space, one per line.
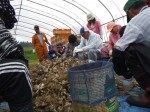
pixel 96 27
pixel 113 38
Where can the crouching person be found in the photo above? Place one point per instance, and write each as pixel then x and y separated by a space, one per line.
pixel 132 50
pixel 90 45
pixel 52 53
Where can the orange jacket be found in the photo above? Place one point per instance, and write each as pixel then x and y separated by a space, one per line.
pixel 36 42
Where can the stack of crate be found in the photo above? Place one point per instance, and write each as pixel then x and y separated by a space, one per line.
pixel 60 35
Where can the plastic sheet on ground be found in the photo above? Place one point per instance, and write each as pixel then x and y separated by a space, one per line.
pixel 125 107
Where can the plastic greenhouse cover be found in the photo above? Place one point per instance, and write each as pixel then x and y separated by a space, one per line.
pixel 51 14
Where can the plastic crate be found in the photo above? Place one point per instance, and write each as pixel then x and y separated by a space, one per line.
pixel 92 83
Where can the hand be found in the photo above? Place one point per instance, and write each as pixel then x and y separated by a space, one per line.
pixel 33 51
pixel 78 50
pixel 110 53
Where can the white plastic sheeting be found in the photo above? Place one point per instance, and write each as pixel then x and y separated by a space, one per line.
pixel 50 14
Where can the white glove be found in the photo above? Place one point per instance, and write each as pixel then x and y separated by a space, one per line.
pixel 33 51
pixel 78 50
pixel 110 53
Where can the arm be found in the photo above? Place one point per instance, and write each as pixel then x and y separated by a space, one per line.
pixel 94 43
pixel 33 42
pixel 132 34
pixel 46 39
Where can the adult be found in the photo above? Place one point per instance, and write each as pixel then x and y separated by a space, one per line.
pixel 39 41
pixel 93 24
pixel 73 41
pixel 15 83
pixel 132 50
pixel 89 46
pixel 114 36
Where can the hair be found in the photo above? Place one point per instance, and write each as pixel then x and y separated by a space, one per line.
pixel 72 38
pixel 92 21
pixel 36 26
pixel 138 5
pixel 121 32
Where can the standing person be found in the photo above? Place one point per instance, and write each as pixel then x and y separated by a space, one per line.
pixel 73 41
pixel 39 41
pixel 94 25
pixel 114 36
pixel 133 50
pixel 89 46
pixel 15 83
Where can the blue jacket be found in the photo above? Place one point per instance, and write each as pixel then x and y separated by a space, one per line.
pixel 52 55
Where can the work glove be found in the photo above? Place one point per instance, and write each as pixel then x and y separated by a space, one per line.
pixel 33 51
pixel 110 53
pixel 78 50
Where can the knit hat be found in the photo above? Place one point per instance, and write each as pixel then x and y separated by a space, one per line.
pixel 7 13
pixel 129 3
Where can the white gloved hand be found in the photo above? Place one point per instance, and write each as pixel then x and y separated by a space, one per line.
pixel 110 53
pixel 78 50
pixel 33 51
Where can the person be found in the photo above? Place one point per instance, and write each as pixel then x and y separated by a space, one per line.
pixel 60 49
pixel 52 53
pixel 121 32
pixel 132 50
pixel 39 41
pixel 89 46
pixel 73 41
pixel 15 83
pixel 114 36
pixel 94 25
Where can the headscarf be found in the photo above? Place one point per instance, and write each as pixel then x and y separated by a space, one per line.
pixel 7 13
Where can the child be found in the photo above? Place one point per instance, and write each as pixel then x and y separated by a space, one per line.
pixel 52 53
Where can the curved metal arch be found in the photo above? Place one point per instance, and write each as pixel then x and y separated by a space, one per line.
pixel 118 9
pixel 30 28
pixel 51 17
pixel 35 20
pixel 107 10
pixel 28 31
pixel 66 9
pixel 55 10
pixel 86 9
pixel 34 24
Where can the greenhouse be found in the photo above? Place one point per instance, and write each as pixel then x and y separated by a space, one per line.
pixel 74 56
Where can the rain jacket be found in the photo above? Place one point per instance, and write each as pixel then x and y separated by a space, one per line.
pixel 41 50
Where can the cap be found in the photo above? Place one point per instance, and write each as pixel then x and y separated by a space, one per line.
pixel 51 47
pixel 90 17
pixel 129 3
pixel 83 29
pixel 60 45
pixel 110 26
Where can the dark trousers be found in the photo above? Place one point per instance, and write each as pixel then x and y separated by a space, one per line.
pixel 135 61
pixel 15 85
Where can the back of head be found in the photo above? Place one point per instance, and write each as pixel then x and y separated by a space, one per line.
pixel 72 38
pixel 7 14
pixel 134 4
pixel 36 26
